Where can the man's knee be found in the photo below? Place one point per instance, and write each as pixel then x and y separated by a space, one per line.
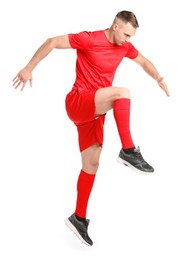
pixel 90 167
pixel 91 163
pixel 90 158
pixel 123 93
pixel 94 163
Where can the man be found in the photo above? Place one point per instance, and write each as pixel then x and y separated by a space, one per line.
pixel 99 53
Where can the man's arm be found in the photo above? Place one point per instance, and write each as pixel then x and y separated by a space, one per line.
pixel 24 75
pixel 150 69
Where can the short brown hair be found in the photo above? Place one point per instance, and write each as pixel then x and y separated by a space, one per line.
pixel 128 17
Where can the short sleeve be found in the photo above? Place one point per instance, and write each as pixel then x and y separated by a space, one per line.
pixel 79 40
pixel 132 51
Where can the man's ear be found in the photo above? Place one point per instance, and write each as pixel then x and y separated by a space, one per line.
pixel 115 26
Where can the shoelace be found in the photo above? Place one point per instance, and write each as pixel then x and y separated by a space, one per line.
pixel 138 152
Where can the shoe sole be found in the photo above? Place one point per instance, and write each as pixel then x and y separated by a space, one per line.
pixel 72 228
pixel 120 160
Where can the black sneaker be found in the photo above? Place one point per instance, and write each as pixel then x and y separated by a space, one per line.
pixel 135 161
pixel 79 228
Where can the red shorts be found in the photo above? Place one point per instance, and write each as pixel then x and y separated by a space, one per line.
pixel 80 108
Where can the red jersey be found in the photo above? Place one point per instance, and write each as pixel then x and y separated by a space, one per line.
pixel 97 59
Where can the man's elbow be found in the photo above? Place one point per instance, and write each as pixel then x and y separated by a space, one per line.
pixel 51 42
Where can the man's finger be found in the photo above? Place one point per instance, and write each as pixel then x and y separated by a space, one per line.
pixel 15 82
pixel 167 92
pixel 31 82
pixel 18 85
pixel 23 86
pixel 15 77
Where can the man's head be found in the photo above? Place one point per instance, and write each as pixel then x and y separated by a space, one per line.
pixel 124 27
pixel 127 17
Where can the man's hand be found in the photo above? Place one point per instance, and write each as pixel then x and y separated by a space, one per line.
pixel 22 77
pixel 163 85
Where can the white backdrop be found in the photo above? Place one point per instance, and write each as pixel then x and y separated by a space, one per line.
pixel 132 216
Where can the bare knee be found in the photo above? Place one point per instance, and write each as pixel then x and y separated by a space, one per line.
pixel 91 167
pixel 122 92
pixel 90 159
pixel 91 164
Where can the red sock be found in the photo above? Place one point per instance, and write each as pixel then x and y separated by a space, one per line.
pixel 84 187
pixel 121 110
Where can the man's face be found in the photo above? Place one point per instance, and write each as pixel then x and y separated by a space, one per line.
pixel 123 32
